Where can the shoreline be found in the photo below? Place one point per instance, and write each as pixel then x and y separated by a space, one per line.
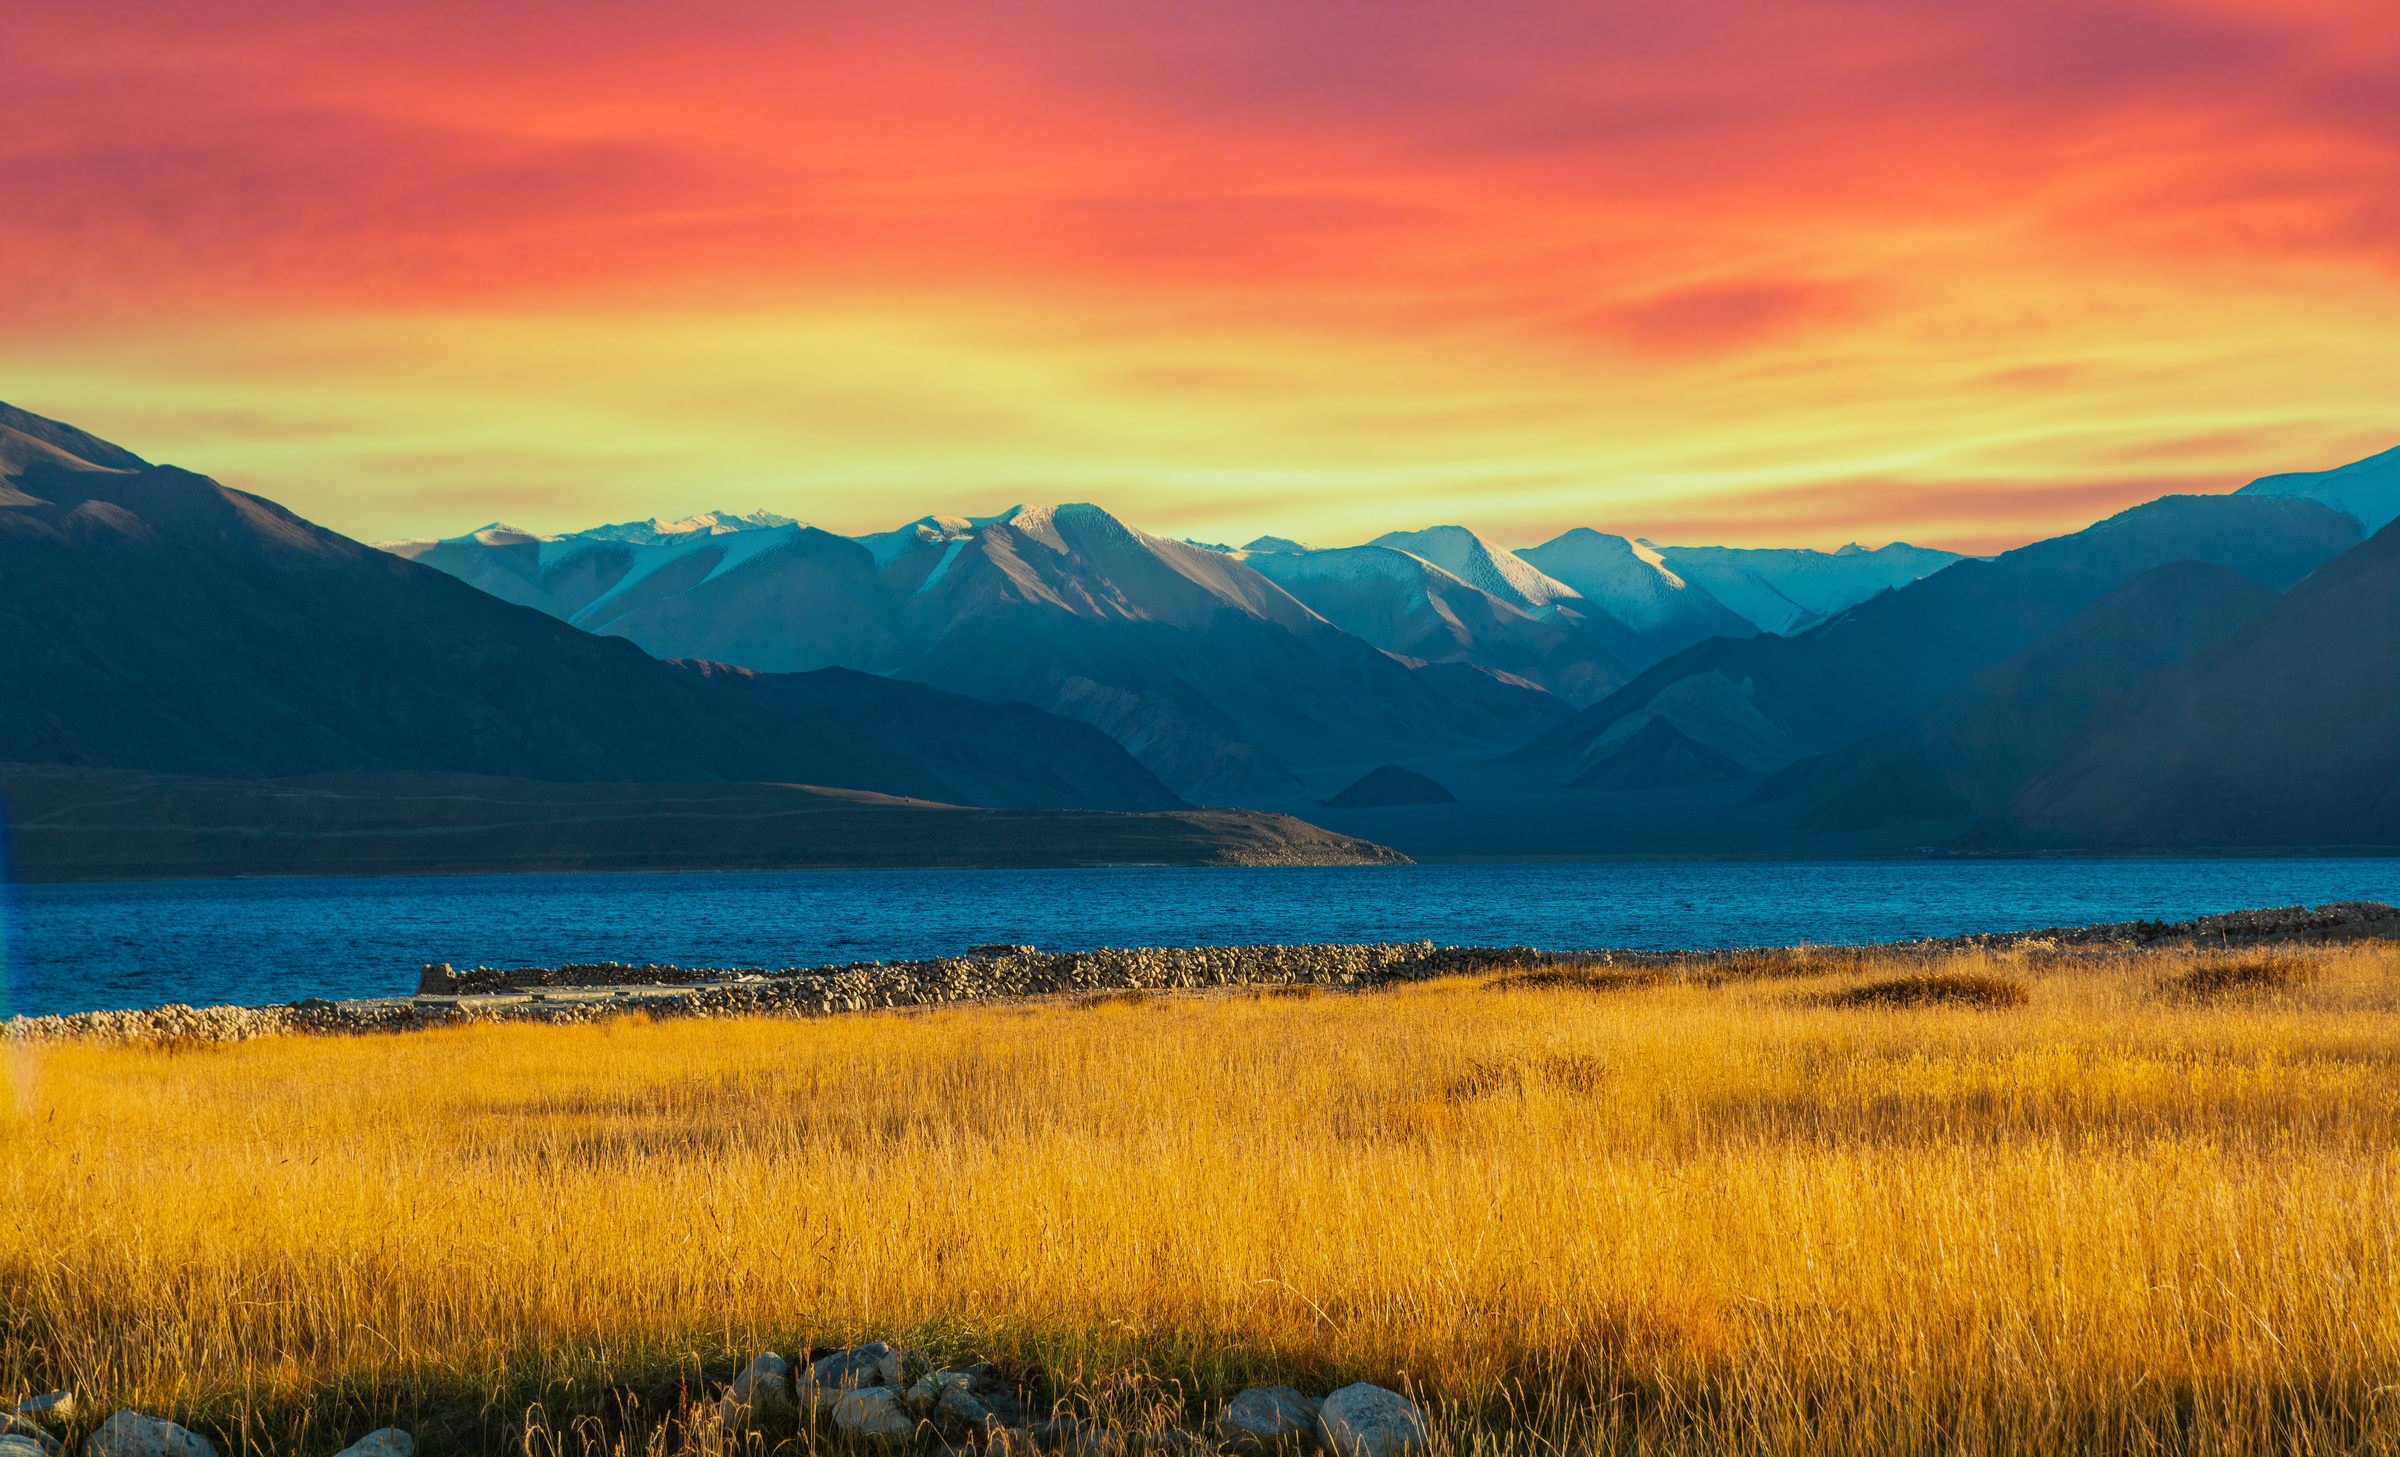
pixel 993 974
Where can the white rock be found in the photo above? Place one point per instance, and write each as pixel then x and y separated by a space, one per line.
pixel 1268 1415
pixel 383 1442
pixel 48 1404
pixel 764 1389
pixel 901 1368
pixel 831 1378
pixel 1368 1421
pixel 875 1412
pixel 13 1444
pixel 26 1429
pixel 130 1434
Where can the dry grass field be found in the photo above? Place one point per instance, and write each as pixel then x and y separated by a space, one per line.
pixel 2023 1204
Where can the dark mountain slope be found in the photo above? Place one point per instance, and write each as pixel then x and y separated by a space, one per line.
pixel 1208 672
pixel 1987 738
pixel 152 619
pixel 2286 733
pixel 1412 608
pixel 1390 785
pixel 1770 700
pixel 948 747
pixel 120 824
pixel 1660 756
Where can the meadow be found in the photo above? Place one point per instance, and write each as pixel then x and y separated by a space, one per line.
pixel 1803 1203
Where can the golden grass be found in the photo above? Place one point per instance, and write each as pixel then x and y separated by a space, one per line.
pixel 1709 1213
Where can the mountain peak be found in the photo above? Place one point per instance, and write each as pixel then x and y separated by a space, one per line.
pixel 654 532
pixel 2368 489
pixel 1471 559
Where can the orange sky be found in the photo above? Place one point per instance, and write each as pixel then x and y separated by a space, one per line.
pixel 1961 272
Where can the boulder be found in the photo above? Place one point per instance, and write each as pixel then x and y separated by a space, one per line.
pixel 14 1445
pixel 901 1368
pixel 27 1429
pixel 1266 1417
pixel 762 1391
pixel 960 1403
pixel 54 1405
pixel 828 1379
pixel 130 1434
pixel 382 1442
pixel 875 1413
pixel 1368 1421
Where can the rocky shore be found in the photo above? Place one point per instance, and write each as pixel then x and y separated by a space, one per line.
pixel 599 990
pixel 2340 921
pixel 888 1398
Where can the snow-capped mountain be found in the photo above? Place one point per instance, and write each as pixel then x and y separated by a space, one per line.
pixel 1206 670
pixel 1521 585
pixel 1787 590
pixel 1631 582
pixel 1760 703
pixel 2368 489
pixel 1406 605
pixel 707 523
pixel 158 621
pixel 1480 564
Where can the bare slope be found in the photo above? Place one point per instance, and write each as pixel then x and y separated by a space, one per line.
pixel 1987 738
pixel 1210 674
pixel 99 824
pixel 1766 701
pixel 153 619
pixel 2286 733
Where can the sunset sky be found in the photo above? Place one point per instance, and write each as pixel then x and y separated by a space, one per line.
pixel 1777 272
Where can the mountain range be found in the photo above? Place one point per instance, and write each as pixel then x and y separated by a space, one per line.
pixel 155 620
pixel 1223 671
pixel 2084 690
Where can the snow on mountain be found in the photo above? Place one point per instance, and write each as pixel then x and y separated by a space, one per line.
pixel 1633 583
pixel 1278 544
pixel 653 532
pixel 1205 670
pixel 1406 605
pixel 2368 489
pixel 1788 590
pixel 889 546
pixel 1471 559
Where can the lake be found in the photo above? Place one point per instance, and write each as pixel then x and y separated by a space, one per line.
pixel 141 943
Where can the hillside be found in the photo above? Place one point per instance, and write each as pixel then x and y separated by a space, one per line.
pixel 2286 733
pixel 1967 753
pixel 156 620
pixel 1764 702
pixel 104 824
pixel 1210 674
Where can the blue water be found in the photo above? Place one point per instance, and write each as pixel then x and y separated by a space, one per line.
pixel 131 944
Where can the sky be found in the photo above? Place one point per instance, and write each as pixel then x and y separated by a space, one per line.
pixel 1755 272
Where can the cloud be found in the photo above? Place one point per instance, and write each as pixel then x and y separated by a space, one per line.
pixel 2038 243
